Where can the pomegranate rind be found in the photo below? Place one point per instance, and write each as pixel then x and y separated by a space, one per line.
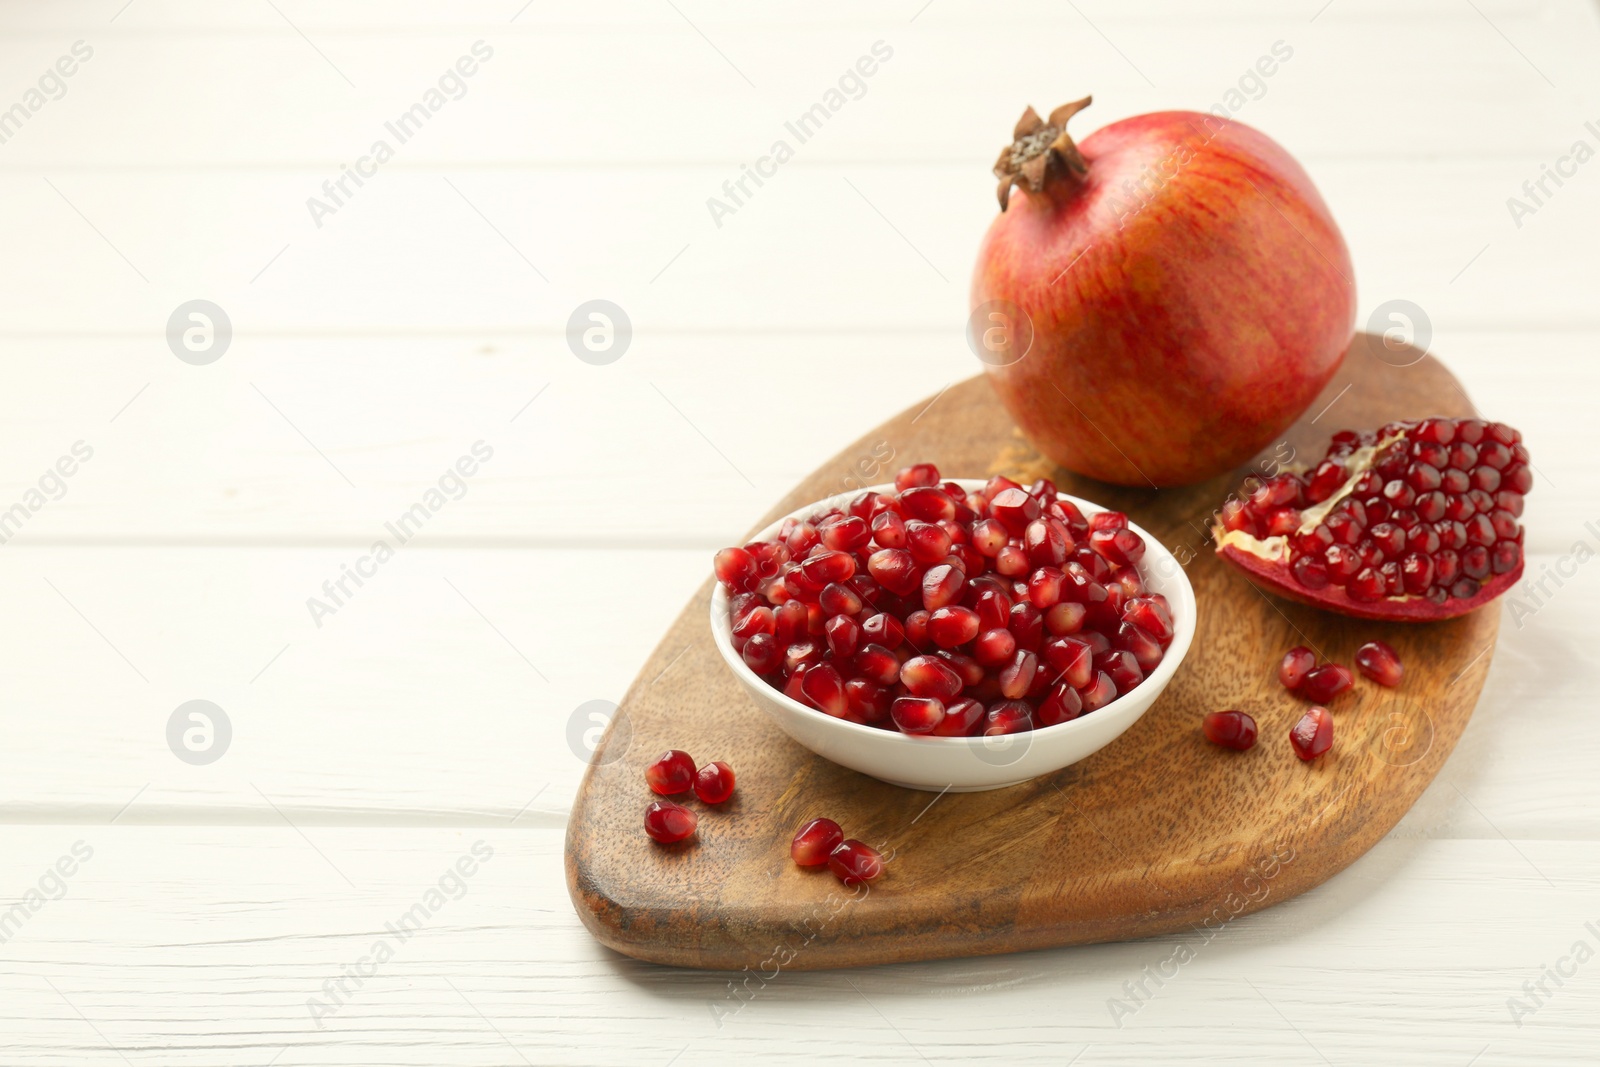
pixel 1273 574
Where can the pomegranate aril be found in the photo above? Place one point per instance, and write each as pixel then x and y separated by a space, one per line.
pixel 845 534
pixel 837 599
pixel 1044 587
pixel 1151 615
pixel 989 537
pixel 1062 704
pixel 1230 729
pixel 918 475
pixel 1014 509
pixel 762 653
pixel 1416 573
pixel 1121 667
pixel 1507 556
pixel 916 715
pixel 1121 547
pixel 883 629
pixel 1310 572
pixel 714 782
pixel 1067 618
pixel 814 842
pixel 736 568
pixel 878 664
pixel 1007 717
pixel 1135 639
pixel 1069 660
pixel 1098 693
pixel 1324 683
pixel 759 621
pixel 1313 734
pixel 927 542
pixel 969 670
pixel 1026 625
pixel 671 772
pixel 889 530
pixel 866 701
pixel 1475 562
pixel 928 503
pixel 917 629
pixel 928 676
pixel 669 823
pixel 843 635
pixel 1325 481
pixel 854 863
pixel 1297 663
pixel 994 647
pixel 824 689
pixel 895 570
pixel 1380 662
pixel 993 608
pixel 960 719
pixel 1017 676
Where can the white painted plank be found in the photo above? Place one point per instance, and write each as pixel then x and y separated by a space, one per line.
pixel 407 704
pixel 203 945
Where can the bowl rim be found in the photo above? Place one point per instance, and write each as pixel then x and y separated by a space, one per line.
pixel 1183 637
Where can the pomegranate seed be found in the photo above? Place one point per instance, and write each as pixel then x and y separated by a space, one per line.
pixel 1063 704
pixel 1378 661
pixel 993 608
pixel 866 701
pixel 790 622
pixel 1121 667
pixel 1326 682
pixel 941 586
pixel 672 772
pixel 853 862
pixel 989 537
pixel 1135 639
pixel 883 629
pixel 917 715
pixel 895 570
pixel 1014 509
pixel 1313 734
pixel 928 676
pixel 762 653
pixel 1230 729
pixel 1027 626
pixel 714 782
pixel 1046 542
pixel 994 647
pixel 952 626
pixel 827 567
pixel 916 625
pixel 927 542
pixel 1008 717
pixel 1069 660
pixel 1011 561
pixel 844 634
pixel 824 689
pixel 1099 693
pixel 815 841
pixel 1120 547
pixel 918 475
pixel 889 530
pixel 928 504
pixel 801 653
pixel 1066 618
pixel 959 719
pixel 668 823
pixel 1150 615
pixel 845 534
pixel 1044 587
pixel 1297 663
pixel 1017 676
pixel 736 569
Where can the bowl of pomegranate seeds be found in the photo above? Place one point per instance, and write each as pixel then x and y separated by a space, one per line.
pixel 958 635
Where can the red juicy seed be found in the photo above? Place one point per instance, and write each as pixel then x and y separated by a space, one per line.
pixel 895 570
pixel 1121 667
pixel 737 569
pixel 762 653
pixel 941 586
pixel 883 629
pixel 836 599
pixel 669 823
pixel 1017 676
pixel 846 534
pixel 1012 561
pixel 843 634
pixel 1230 729
pixel 1145 648
pixel 790 622
pixel 1313 734
pixel 866 701
pixel 714 783
pixel 854 863
pixel 758 621
pixel 1151 615
pixel 889 530
pixel 1063 704
pixel 1446 567
pixel 960 719
pixel 1325 481
pixel 1345 529
pixel 1099 693
pixel 1066 618
pixel 994 647
pixel 1237 517
pixel 791 688
pixel 1118 546
pixel 917 475
pixel 997 485
pixel 927 542
pixel 1026 625
pixel 815 841
pixel 917 629
pixel 801 539
pixel 1108 520
pixel 952 626
pixel 1388 537
pixel 1044 490
pixel 917 715
pixel 928 676
pixel 878 664
pixel 1014 509
pixel 1506 557
pixel 993 608
pixel 1008 717
pixel 1310 572
pixel 1326 682
pixel 1416 572
pixel 1044 587
pixel 1366 585
pixel 1475 562
pixel 1297 663
pixel 928 504
pixel 989 536
pixel 671 772
pixel 1380 662
pixel 1046 541
pixel 829 567
pixel 824 689
pixel 1069 660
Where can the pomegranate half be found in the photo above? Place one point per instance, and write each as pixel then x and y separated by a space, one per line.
pixel 1160 302
pixel 1413 522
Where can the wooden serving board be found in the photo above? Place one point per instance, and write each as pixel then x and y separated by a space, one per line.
pixel 1158 832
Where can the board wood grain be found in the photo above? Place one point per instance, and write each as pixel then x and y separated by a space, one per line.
pixel 1158 832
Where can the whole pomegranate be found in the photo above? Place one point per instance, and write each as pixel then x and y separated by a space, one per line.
pixel 1180 294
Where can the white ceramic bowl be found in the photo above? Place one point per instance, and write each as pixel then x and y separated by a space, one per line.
pixel 968 764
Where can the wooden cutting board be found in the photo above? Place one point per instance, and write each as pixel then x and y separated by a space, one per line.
pixel 1158 832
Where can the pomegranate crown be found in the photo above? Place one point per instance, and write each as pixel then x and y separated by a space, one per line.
pixel 1040 149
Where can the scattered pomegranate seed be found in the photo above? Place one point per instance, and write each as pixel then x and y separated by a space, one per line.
pixel 1230 729
pixel 853 862
pixel 667 822
pixel 939 611
pixel 1297 663
pixel 1324 683
pixel 1378 661
pixel 815 841
pixel 714 782
pixel 1313 734
pixel 672 772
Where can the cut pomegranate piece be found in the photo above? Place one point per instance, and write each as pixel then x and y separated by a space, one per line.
pixel 853 862
pixel 1313 734
pixel 1413 522
pixel 671 772
pixel 815 841
pixel 668 823
pixel 714 782
pixel 1378 661
pixel 1230 729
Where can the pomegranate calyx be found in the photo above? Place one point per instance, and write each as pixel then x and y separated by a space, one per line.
pixel 1040 149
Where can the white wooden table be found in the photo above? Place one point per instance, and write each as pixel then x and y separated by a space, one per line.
pixel 235 912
